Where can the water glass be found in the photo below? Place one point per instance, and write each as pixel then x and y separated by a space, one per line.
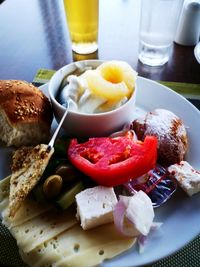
pixel 158 23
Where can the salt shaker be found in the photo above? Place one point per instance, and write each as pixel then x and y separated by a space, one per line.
pixel 188 30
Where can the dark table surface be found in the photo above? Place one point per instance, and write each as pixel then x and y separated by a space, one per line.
pixel 34 34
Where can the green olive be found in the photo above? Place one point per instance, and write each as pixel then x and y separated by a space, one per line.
pixel 52 186
pixel 68 173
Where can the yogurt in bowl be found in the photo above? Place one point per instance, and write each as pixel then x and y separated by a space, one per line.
pixel 101 96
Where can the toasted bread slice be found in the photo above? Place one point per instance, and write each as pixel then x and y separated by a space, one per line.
pixel 26 174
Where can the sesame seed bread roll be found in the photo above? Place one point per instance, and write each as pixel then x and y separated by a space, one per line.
pixel 25 114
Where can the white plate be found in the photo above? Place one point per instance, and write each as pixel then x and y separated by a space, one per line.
pixel 181 214
pixel 197 52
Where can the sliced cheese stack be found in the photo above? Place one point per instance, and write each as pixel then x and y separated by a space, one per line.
pixel 42 228
pixel 27 211
pixel 47 237
pixel 76 247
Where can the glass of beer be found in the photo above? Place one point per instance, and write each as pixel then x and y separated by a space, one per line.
pixel 82 18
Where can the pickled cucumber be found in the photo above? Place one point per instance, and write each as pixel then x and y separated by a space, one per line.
pixel 68 197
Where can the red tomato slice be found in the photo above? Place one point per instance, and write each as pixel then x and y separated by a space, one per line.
pixel 113 161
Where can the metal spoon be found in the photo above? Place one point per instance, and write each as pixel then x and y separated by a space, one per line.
pixel 52 141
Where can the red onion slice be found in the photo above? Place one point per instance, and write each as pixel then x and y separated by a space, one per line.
pixel 134 215
pixel 119 218
pixel 142 239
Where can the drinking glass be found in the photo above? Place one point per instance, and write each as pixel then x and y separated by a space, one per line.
pixel 82 18
pixel 158 23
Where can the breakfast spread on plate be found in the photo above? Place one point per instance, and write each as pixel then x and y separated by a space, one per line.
pixel 98 90
pixel 88 200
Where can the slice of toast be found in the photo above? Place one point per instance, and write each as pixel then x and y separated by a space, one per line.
pixel 28 167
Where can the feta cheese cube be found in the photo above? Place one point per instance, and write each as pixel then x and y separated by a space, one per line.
pixel 187 177
pixel 95 206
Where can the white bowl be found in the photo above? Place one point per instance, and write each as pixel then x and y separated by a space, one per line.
pixel 88 125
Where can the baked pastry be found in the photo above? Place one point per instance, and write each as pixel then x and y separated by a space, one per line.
pixel 170 131
pixel 25 114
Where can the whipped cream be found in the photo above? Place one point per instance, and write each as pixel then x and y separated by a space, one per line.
pixel 80 97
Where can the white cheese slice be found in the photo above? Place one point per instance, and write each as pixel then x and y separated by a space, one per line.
pixel 187 177
pixel 95 206
pixel 28 210
pixel 76 247
pixel 4 194
pixel 4 187
pixel 42 228
pixel 4 204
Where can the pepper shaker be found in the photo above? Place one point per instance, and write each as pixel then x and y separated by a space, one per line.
pixel 188 30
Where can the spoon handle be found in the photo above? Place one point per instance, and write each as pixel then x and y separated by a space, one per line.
pixel 51 143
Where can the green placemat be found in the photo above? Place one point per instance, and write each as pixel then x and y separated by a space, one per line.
pixel 188 256
pixel 188 90
pixel 43 76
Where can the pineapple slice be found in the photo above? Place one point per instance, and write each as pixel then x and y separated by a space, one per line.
pixel 112 80
pixel 117 71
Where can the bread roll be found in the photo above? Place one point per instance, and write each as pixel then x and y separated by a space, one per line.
pixel 25 114
pixel 170 132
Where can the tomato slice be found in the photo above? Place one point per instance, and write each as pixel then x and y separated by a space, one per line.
pixel 113 161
